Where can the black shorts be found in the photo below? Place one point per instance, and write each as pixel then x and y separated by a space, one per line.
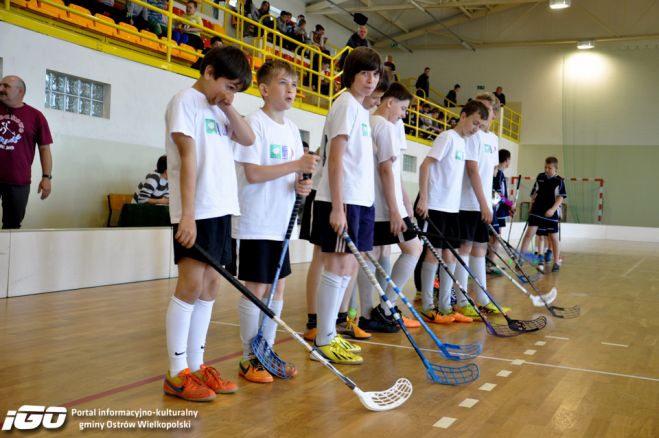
pixel 382 234
pixel 549 225
pixel 307 213
pixel 541 232
pixel 472 228
pixel 448 224
pixel 498 223
pixel 258 260
pixel 214 235
pixel 360 227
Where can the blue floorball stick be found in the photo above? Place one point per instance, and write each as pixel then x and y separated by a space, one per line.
pixel 503 331
pixel 437 373
pixel 522 326
pixel 385 400
pixel 262 350
pixel 449 351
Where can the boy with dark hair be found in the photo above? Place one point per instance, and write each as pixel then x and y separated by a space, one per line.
pixel 505 207
pixel 476 211
pixel 547 196
pixel 200 123
pixel 392 209
pixel 440 186
pixel 269 176
pixel 344 200
pixel 154 189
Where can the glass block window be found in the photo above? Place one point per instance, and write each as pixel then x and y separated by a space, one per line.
pixel 77 95
pixel 409 163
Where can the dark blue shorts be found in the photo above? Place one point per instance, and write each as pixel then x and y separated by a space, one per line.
pixel 360 227
pixel 214 235
pixel 548 225
pixel 258 260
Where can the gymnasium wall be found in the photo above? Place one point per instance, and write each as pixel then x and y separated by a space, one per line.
pixel 594 110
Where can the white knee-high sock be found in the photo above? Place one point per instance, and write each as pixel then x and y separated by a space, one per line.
pixel 201 319
pixel 445 284
pixel 385 262
pixel 463 278
pixel 365 291
pixel 428 273
pixel 477 266
pixel 329 292
pixel 249 324
pixel 401 272
pixel 269 326
pixel 177 327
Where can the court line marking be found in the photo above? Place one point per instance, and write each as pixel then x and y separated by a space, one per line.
pixel 444 422
pixel 636 265
pixel 521 361
pixel 540 343
pixel 468 403
pixel 614 345
pixel 557 337
pixel 504 373
pixel 530 352
pixel 487 386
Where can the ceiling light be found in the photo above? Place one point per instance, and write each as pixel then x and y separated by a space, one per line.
pixel 559 4
pixel 585 45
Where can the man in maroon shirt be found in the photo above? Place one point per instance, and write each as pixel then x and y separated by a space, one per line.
pixel 22 128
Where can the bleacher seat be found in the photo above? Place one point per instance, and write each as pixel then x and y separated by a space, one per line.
pixel 103 28
pixel 127 36
pixel 219 29
pixel 153 45
pixel 47 9
pixel 186 56
pixel 20 3
pixel 76 19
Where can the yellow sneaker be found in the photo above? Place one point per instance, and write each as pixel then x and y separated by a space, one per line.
pixel 336 354
pixel 491 309
pixel 348 346
pixel 468 311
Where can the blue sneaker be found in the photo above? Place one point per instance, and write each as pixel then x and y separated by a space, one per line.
pixel 548 255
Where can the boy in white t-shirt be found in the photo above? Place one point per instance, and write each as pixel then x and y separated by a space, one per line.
pixel 482 156
pixel 200 124
pixel 269 176
pixel 344 200
pixel 393 209
pixel 440 186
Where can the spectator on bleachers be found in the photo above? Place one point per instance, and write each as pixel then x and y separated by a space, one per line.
pixel 186 34
pixel 319 39
pixel 390 67
pixel 452 97
pixel 155 187
pixel 423 84
pixel 499 94
pixel 262 11
pixel 300 32
pixel 137 15
pixel 357 39
pixel 216 41
pixel 284 24
pixel 105 7
pixel 157 22
pixel 453 122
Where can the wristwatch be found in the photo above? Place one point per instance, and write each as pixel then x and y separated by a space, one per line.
pixel 45 175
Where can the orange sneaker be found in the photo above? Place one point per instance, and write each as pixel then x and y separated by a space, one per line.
pixel 435 317
pixel 310 335
pixel 410 323
pixel 251 369
pixel 211 378
pixel 459 317
pixel 187 386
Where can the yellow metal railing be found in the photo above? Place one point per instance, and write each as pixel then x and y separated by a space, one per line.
pixel 317 88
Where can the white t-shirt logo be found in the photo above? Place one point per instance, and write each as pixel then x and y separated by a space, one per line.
pixel 459 155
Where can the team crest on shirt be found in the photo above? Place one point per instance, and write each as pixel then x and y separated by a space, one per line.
pixel 489 149
pixel 11 131
pixel 459 155
pixel 212 127
pixel 279 151
pixel 366 132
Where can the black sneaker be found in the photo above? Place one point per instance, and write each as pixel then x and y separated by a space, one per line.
pixel 556 267
pixel 377 324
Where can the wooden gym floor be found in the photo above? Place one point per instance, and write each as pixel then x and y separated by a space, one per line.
pixel 594 376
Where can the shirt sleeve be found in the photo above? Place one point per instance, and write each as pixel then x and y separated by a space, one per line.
pixel 472 148
pixel 341 121
pixel 561 189
pixel 251 154
pixel 44 137
pixel 441 147
pixel 181 117
pixel 384 138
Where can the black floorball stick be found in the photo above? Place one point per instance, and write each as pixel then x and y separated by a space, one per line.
pixel 519 179
pixel 385 400
pixel 437 373
pixel 262 350
pixel 557 311
pixel 503 331
pixel 523 326
pixel 449 351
